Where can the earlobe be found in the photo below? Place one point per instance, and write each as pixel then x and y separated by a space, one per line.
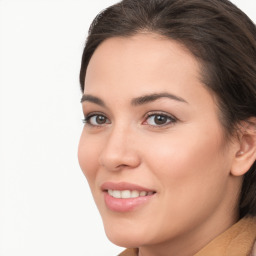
pixel 246 155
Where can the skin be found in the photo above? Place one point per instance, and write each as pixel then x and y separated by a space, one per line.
pixel 188 162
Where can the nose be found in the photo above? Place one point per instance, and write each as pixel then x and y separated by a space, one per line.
pixel 120 151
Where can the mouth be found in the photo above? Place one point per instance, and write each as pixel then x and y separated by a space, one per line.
pixel 125 197
pixel 124 194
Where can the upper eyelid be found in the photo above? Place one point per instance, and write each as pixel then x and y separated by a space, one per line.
pixel 149 113
pixel 95 114
pixel 92 113
pixel 152 113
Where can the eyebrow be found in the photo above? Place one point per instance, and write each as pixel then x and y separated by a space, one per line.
pixel 93 99
pixel 136 101
pixel 155 96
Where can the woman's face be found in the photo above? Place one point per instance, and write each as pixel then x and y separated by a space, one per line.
pixel 152 148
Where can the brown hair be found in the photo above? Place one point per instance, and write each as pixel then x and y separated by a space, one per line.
pixel 217 33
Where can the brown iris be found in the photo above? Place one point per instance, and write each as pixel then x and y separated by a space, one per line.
pixel 160 120
pixel 101 119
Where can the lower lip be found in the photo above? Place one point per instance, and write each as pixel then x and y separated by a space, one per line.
pixel 125 204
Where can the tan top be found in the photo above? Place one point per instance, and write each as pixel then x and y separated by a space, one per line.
pixel 238 240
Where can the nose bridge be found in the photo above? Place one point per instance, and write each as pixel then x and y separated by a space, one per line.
pixel 119 150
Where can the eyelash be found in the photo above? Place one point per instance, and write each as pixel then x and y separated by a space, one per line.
pixel 171 119
pixel 87 119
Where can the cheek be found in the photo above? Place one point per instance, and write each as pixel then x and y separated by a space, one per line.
pixel 188 163
pixel 88 151
pixel 192 173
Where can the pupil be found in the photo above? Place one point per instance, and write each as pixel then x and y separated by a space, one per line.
pixel 160 119
pixel 100 119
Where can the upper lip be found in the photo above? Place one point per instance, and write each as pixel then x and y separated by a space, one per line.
pixel 124 186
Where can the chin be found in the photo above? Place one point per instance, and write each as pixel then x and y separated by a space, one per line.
pixel 126 240
pixel 129 236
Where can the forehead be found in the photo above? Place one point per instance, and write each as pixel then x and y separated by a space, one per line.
pixel 127 67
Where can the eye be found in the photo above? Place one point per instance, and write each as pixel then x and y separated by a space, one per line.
pixel 96 120
pixel 159 119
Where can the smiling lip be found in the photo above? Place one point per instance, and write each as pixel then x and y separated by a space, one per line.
pixel 125 204
pixel 123 186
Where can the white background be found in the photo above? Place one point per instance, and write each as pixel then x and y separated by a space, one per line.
pixel 45 203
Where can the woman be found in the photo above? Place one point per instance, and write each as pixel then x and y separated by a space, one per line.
pixel 169 142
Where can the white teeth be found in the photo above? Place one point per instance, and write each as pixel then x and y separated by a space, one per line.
pixel 128 193
pixel 135 194
pixel 116 193
pixel 143 193
pixel 110 191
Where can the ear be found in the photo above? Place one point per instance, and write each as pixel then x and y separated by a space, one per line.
pixel 246 154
